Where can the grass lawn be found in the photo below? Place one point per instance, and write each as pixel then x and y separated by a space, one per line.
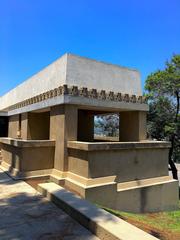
pixel 163 225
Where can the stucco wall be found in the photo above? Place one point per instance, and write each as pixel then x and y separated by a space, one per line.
pixel 94 74
pixel 31 158
pixel 13 126
pixel 126 165
pixel 48 78
pixel 79 71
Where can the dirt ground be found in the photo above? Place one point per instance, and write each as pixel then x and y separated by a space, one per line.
pixel 161 234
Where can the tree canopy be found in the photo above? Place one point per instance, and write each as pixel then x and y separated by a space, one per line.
pixel 163 93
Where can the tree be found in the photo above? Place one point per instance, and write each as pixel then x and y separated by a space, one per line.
pixel 163 93
pixel 107 124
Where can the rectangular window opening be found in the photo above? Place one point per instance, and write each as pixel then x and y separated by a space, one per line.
pixel 106 127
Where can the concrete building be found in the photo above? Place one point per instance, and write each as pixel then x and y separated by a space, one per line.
pixel 47 129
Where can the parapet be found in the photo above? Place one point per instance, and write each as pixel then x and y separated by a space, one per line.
pixel 77 71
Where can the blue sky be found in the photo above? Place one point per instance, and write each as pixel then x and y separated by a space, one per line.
pixel 141 34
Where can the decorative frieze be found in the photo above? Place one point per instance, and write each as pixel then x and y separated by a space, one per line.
pixel 118 97
pixel 133 98
pixel 82 92
pixel 65 90
pixel 73 91
pixel 110 96
pixel 126 98
pixel 92 93
pixel 102 95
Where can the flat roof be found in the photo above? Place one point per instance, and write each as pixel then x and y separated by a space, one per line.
pixel 73 70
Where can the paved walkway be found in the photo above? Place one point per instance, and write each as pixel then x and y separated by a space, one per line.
pixel 26 215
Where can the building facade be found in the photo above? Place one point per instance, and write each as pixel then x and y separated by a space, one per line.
pixel 47 129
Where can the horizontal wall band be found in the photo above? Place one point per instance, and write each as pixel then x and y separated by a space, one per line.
pixel 81 92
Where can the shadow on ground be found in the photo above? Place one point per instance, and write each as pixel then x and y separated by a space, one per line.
pixel 33 217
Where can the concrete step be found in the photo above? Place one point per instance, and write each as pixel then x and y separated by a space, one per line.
pixel 140 193
pixel 56 179
pixel 80 185
pixel 101 223
pixel 82 181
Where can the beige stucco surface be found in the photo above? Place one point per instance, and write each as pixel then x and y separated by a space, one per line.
pixel 154 197
pixel 74 70
pixel 134 175
pixel 24 156
pixel 83 103
pixel 127 164
pixel 100 75
pixel 55 132
pixel 13 126
pixel 63 126
pixel 48 78
pixel 99 146
pixel 31 125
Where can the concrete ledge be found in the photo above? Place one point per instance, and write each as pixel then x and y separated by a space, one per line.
pixel 17 175
pixel 103 224
pixel 27 143
pixel 90 181
pixel 84 102
pixel 95 146
pixel 144 183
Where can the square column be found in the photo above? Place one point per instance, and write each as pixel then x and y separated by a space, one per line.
pixel 13 126
pixel 63 127
pixel 24 126
pixel 132 126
